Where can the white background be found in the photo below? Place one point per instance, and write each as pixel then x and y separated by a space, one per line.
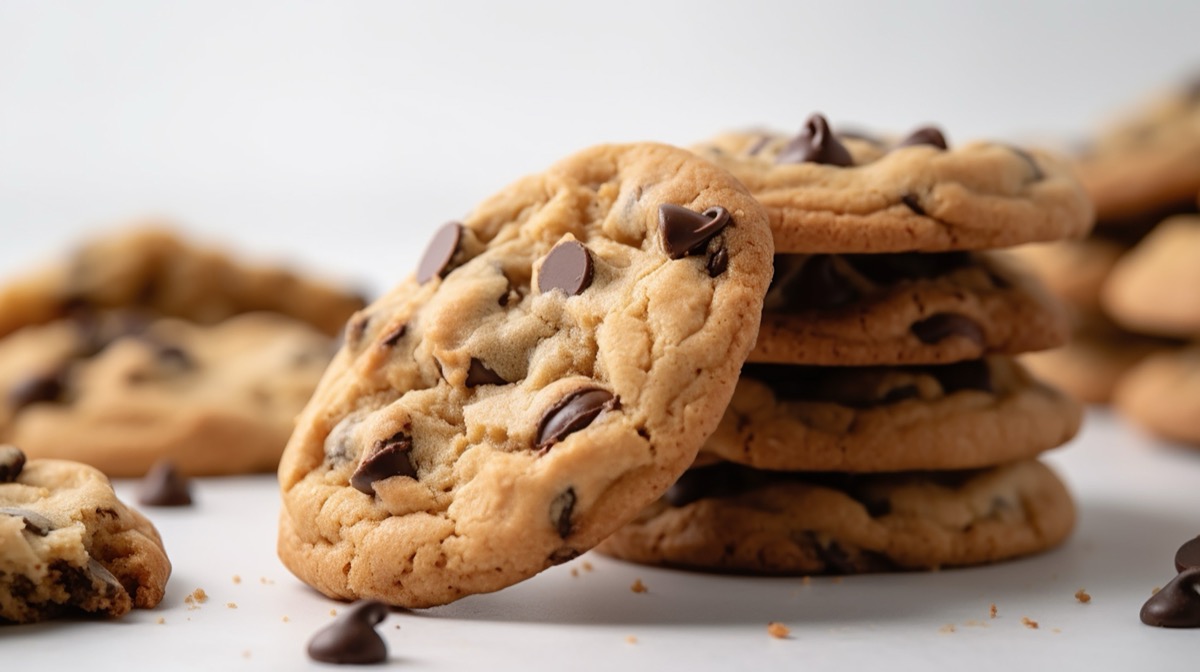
pixel 338 134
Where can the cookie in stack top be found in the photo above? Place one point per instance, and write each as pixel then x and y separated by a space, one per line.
pixel 882 422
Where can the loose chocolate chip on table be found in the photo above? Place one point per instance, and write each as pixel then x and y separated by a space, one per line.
pixel 560 512
pixel 927 135
pixel 439 253
pixel 34 522
pixel 1187 557
pixel 351 639
pixel 393 337
pixel 816 144
pixel 1177 605
pixel 941 326
pixel 568 267
pixel 388 457
pixel 45 388
pixel 571 414
pixel 479 374
pixel 12 461
pixel 913 203
pixel 163 485
pixel 685 232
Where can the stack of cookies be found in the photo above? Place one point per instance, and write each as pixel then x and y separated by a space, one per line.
pixel 882 422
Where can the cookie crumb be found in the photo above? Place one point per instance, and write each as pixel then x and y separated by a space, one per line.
pixel 992 610
pixel 947 629
pixel 778 630
pixel 587 566
pixel 265 581
pixel 1154 590
pixel 286 619
pixel 196 598
pixel 237 579
pixel 1057 631
pixel 975 623
pixel 638 586
pixel 231 605
pixel 1029 623
pixel 246 653
pixel 806 580
pixel 333 612
pixel 161 620
pixel 631 639
pixel 574 572
pixel 1082 596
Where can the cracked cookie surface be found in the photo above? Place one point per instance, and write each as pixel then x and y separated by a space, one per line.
pixel 877 419
pixel 833 193
pixel 552 367
pixel 68 546
pixel 728 518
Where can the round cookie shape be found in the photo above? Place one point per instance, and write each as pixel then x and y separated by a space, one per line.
pixel 1162 395
pixel 911 195
pixel 68 546
pixel 905 308
pixel 120 391
pixel 506 415
pixel 879 419
pixel 1152 289
pixel 726 518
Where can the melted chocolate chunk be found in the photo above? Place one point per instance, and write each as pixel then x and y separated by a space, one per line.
pixel 941 326
pixel 12 461
pixel 571 414
pixel 1177 605
pixel 1187 557
pixel 34 522
pixel 819 286
pixel 927 135
pixel 41 389
pixel 99 573
pixel 568 267
pixel 163 485
pixel 440 252
pixel 888 269
pixel 717 262
pixel 479 374
pixel 685 232
pixel 816 144
pixel 913 203
pixel 560 512
pixel 388 457
pixel 393 337
pixel 351 639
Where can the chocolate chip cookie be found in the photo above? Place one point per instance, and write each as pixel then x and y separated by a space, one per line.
pixel 1153 288
pixel 730 518
pixel 1162 395
pixel 68 546
pixel 120 390
pixel 1073 270
pixel 835 193
pixel 899 418
pixel 151 268
pixel 552 367
pixel 906 308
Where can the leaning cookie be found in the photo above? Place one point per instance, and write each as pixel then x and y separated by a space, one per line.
pixel 909 308
pixel 121 390
pixel 1154 288
pixel 68 546
pixel 153 269
pixel 831 193
pixel 876 419
pixel 1162 395
pixel 727 518
pixel 552 368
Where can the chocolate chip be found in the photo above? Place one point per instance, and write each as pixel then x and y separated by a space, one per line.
pixel 12 461
pixel 34 522
pixel 351 639
pixel 758 145
pixel 969 375
pixel 1177 605
pixel 560 512
pixel 941 326
pixel 685 232
pixel 568 267
pixel 438 255
pixel 45 388
pixel 927 135
pixel 1187 557
pixel 913 204
pixel 820 286
pixel 816 144
pixel 355 329
pixel 99 573
pixel 393 337
pixel 479 374
pixel 1036 170
pixel 888 269
pixel 717 262
pixel 388 457
pixel 571 414
pixel 163 485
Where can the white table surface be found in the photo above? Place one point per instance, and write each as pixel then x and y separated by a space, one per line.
pixel 1138 501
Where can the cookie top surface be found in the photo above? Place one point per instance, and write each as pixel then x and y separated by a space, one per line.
pixel 905 308
pixel 151 268
pixel 553 366
pixel 1152 289
pixel 834 193
pixel 119 390
pixel 69 546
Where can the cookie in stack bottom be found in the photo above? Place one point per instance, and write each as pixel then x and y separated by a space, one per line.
pixel 882 422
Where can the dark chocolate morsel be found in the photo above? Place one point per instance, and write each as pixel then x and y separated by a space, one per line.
pixel 12 461
pixel 941 326
pixel 1036 170
pixel 927 135
pixel 816 144
pixel 717 262
pixel 34 522
pixel 913 203
pixel 98 572
pixel 1177 605
pixel 479 374
pixel 568 267
pixel 163 485
pixel 388 457
pixel 571 414
pixel 560 512
pixel 393 337
pixel 1187 557
pixel 436 260
pixel 46 388
pixel 685 232
pixel 351 639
